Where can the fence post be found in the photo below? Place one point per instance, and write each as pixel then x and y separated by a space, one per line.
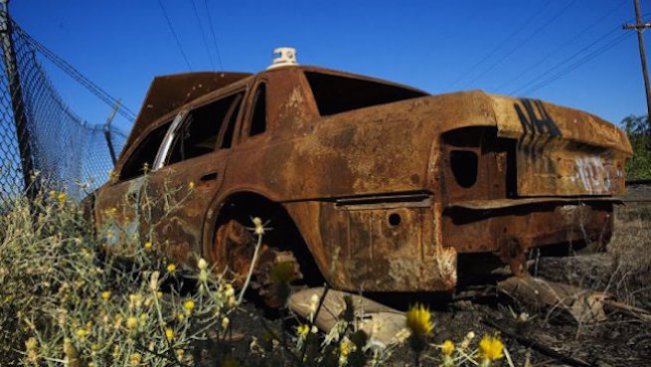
pixel 17 103
pixel 107 132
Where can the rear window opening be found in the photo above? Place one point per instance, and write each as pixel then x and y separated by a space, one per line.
pixel 335 94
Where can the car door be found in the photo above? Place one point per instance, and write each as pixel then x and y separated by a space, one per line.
pixel 117 205
pixel 188 174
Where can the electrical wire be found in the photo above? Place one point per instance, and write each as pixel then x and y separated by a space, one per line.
pixel 502 44
pixel 214 38
pixel 176 37
pixel 522 43
pixel 560 64
pixel 558 49
pixel 584 60
pixel 203 34
pixel 565 61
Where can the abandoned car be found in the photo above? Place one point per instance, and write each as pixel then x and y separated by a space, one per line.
pixel 368 184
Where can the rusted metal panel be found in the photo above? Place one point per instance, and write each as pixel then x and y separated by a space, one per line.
pixel 385 197
pixel 510 203
pixel 561 151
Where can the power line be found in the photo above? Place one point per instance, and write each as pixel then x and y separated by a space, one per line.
pixel 503 43
pixel 214 38
pixel 578 63
pixel 75 74
pixel 564 46
pixel 565 61
pixel 203 34
pixel 523 42
pixel 176 37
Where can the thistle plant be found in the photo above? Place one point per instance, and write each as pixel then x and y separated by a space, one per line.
pixel 63 299
pixel 419 322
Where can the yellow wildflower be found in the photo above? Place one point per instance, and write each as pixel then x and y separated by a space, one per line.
pixel 225 322
pixel 135 359
pixel 229 291
pixel 171 268
pixel 61 198
pixel 189 305
pixel 106 295
pixel 31 350
pixel 191 185
pixel 259 227
pixel 31 344
pixel 132 322
pixel 419 320
pixel 302 330
pixel 491 348
pixel 81 333
pixel 169 334
pixel 118 321
pixel 148 245
pixel 202 264
pixel 346 347
pixel 447 348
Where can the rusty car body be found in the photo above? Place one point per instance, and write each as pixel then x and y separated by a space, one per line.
pixel 384 186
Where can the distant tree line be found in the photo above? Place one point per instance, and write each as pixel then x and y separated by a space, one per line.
pixel 639 166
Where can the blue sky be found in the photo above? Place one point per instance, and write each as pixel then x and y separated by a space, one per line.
pixel 438 46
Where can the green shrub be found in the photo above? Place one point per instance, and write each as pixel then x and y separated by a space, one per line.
pixel 639 166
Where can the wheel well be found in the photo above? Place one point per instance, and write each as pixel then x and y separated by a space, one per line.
pixel 282 234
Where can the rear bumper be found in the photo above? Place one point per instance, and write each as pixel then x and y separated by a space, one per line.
pixel 511 227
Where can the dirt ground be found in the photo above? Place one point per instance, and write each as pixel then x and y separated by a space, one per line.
pixel 543 338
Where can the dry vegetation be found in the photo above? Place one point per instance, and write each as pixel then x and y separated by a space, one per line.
pixel 64 301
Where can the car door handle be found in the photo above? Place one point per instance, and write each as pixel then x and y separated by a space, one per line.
pixel 212 176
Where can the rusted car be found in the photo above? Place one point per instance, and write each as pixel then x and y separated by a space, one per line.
pixel 369 184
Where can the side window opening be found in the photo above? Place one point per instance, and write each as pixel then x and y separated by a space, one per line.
pixel 259 118
pixel 335 94
pixel 227 139
pixel 145 154
pixel 199 132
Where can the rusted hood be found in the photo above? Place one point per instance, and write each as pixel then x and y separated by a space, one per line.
pixel 168 92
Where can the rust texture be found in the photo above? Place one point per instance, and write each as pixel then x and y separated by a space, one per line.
pixel 382 198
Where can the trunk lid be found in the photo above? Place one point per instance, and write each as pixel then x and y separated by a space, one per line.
pixel 562 151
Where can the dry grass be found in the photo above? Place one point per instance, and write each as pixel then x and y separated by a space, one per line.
pixel 64 301
pixel 631 248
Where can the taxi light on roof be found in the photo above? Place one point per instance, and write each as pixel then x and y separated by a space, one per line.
pixel 285 56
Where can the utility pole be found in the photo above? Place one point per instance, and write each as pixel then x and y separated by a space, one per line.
pixel 639 28
pixel 17 103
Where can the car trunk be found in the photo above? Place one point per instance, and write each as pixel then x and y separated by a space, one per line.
pixel 560 151
pixel 543 175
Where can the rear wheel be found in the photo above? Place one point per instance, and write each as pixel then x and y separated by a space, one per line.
pixel 232 253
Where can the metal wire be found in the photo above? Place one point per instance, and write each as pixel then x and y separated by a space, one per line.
pixel 64 149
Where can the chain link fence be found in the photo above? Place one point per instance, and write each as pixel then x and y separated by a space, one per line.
pixel 39 134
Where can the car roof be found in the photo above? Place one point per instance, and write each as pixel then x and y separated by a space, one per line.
pixel 169 92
